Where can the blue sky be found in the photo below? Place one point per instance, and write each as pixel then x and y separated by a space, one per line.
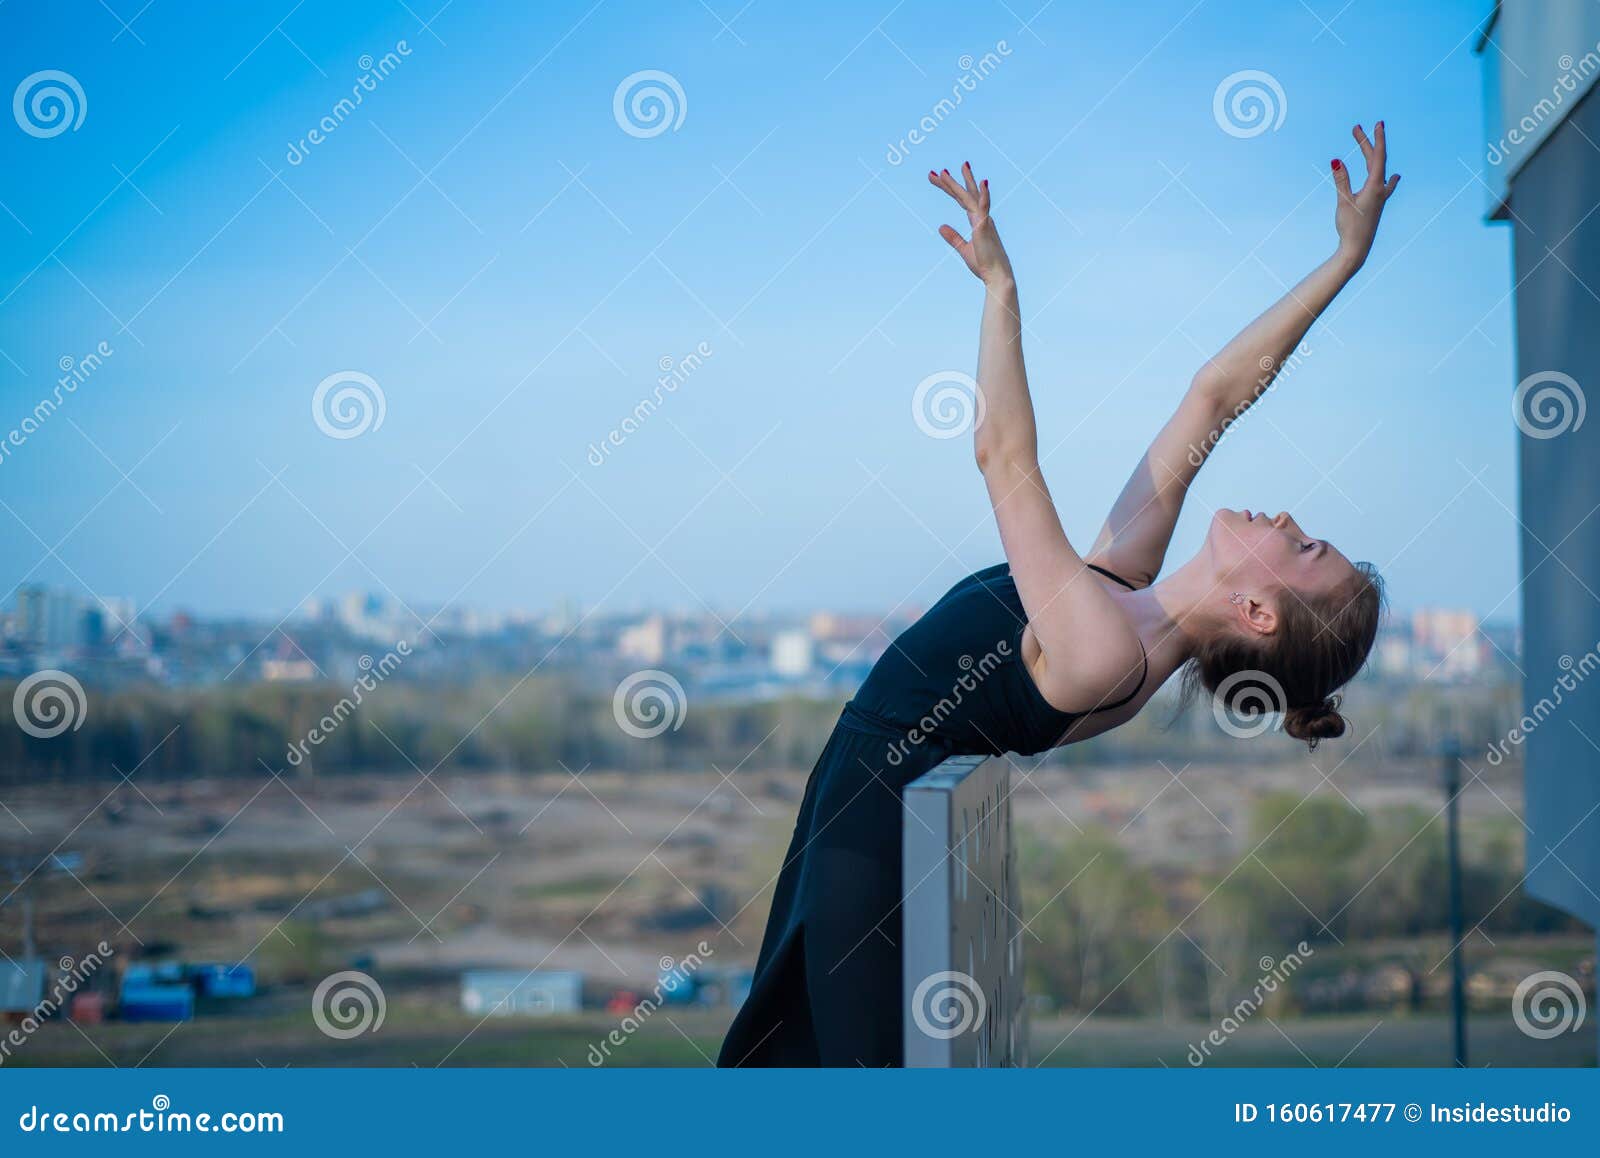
pixel 483 240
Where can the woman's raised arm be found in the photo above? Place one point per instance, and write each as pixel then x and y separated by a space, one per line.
pixel 1069 611
pixel 1133 542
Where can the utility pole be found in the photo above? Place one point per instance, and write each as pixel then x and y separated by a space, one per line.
pixel 1451 759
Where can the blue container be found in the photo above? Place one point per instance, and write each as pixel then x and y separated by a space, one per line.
pixel 146 974
pixel 157 1003
pixel 678 986
pixel 224 981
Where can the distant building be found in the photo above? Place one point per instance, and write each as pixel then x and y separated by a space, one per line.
pixel 288 670
pixel 50 620
pixel 513 993
pixel 1393 658
pixel 1447 643
pixel 646 642
pixel 792 653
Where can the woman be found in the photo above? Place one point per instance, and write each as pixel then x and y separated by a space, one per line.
pixel 1054 646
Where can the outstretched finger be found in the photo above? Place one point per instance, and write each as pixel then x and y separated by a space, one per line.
pixel 956 242
pixel 949 185
pixel 1388 190
pixel 1365 142
pixel 1379 160
pixel 969 181
pixel 983 196
pixel 1341 177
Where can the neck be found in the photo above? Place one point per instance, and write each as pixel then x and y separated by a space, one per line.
pixel 1174 615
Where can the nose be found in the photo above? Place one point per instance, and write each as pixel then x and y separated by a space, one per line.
pixel 1282 519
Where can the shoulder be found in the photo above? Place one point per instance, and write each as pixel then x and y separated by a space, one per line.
pixel 1106 665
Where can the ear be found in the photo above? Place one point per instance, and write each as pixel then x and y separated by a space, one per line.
pixel 1256 617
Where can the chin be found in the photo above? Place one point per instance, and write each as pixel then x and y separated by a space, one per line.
pixel 1225 539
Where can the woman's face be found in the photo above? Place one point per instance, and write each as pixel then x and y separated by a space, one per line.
pixel 1252 552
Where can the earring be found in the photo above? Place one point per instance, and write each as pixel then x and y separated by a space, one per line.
pixel 1237 598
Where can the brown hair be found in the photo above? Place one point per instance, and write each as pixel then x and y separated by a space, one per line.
pixel 1321 643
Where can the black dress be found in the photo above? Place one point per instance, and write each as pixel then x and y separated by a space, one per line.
pixel 828 979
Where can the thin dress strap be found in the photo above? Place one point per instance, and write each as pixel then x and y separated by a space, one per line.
pixel 1115 578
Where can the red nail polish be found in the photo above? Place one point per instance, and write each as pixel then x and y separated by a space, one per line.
pixel 986 182
pixel 1337 165
pixel 1380 124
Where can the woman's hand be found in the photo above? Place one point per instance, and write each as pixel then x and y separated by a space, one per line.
pixel 1356 217
pixel 984 254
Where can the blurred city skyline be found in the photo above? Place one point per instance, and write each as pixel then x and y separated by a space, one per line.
pixel 516 271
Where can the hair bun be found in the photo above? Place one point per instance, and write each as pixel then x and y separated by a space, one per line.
pixel 1315 722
